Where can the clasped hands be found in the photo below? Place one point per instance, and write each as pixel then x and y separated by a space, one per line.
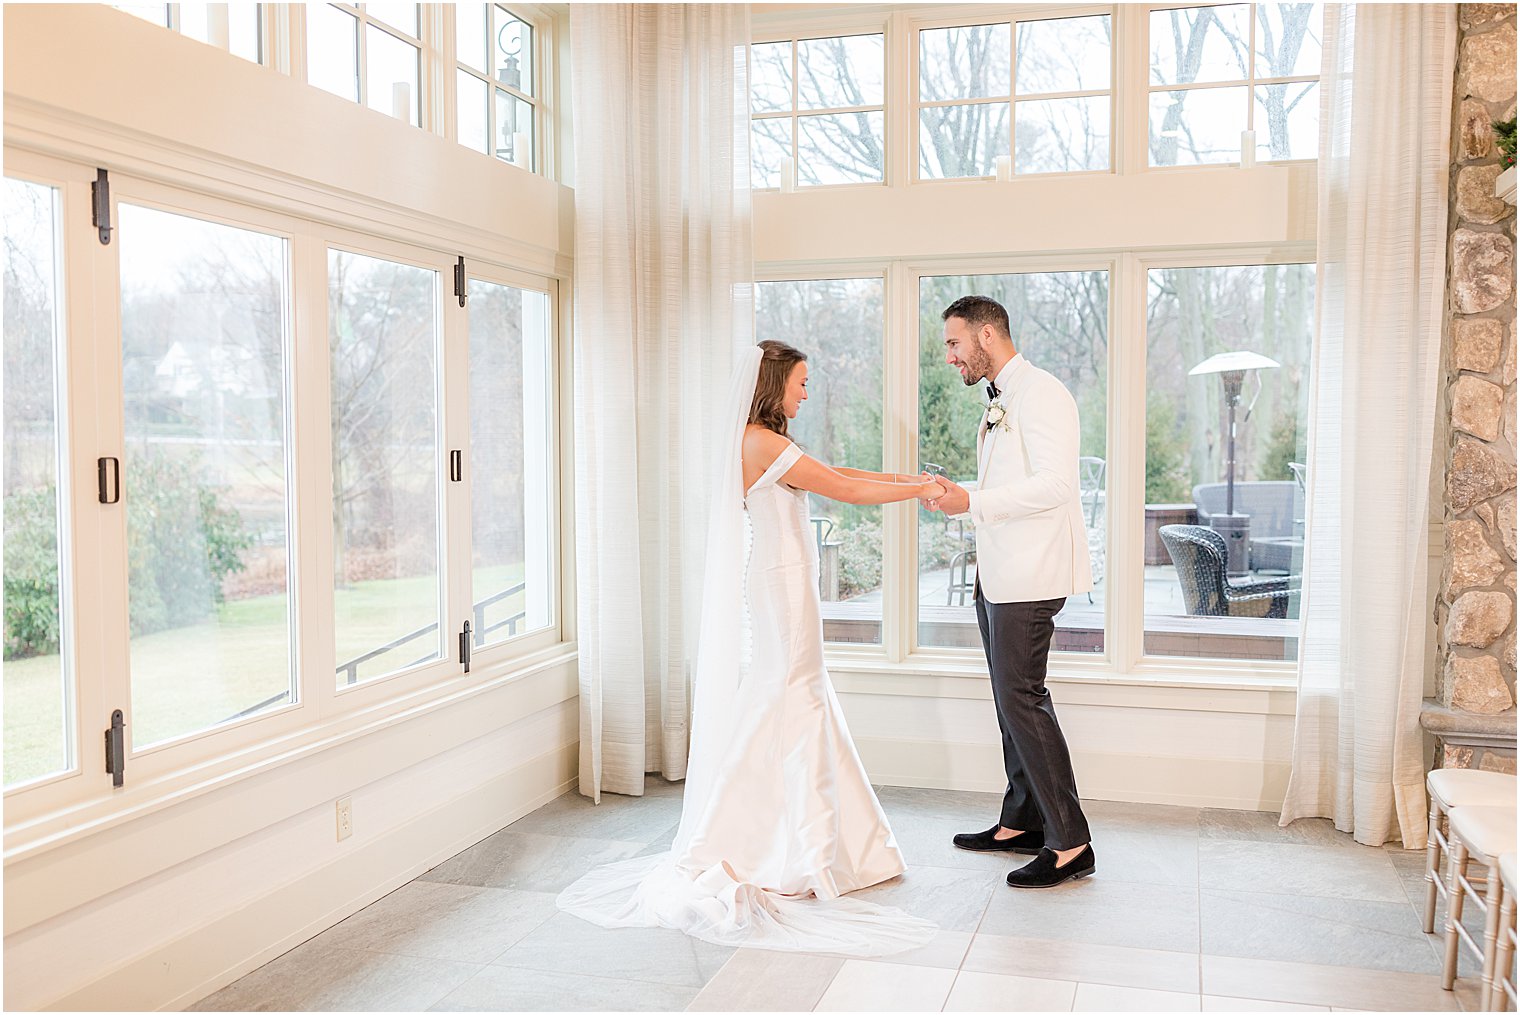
pixel 940 494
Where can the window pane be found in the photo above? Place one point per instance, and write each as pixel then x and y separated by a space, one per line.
pixel 1063 55
pixel 470 35
pixel 474 119
pixel 514 130
pixel 1287 121
pixel 961 140
pixel 963 63
pixel 1059 322
pixel 1061 135
pixel 233 27
pixel 382 337
pixel 514 52
pixel 1197 126
pixel 203 322
pixel 840 72
pixel 1199 44
pixel 246 31
pixel 39 708
pixel 1216 584
pixel 770 69
pixel 839 323
pixel 402 16
pixel 332 50
pixel 840 148
pixel 770 142
pixel 391 67
pixel 510 410
pixel 158 14
pixel 1288 39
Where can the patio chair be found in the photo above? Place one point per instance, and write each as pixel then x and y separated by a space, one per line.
pixel 1198 552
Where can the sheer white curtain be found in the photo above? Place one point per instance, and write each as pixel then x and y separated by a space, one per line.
pixel 1385 128
pixel 663 298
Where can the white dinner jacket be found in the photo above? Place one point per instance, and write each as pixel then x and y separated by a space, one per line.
pixel 1031 538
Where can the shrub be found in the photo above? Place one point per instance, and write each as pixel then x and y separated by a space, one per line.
pixel 1166 473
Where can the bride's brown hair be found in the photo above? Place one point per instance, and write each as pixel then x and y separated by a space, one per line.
pixel 776 362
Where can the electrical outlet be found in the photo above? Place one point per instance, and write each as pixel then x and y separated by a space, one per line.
pixel 345 818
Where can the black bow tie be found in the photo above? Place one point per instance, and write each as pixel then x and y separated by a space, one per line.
pixel 992 391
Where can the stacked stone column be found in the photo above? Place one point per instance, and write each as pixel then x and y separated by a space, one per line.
pixel 1475 610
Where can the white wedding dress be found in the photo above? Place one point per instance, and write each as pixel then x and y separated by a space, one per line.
pixel 779 820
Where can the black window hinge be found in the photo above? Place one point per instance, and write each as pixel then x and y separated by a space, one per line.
pixel 464 646
pixel 461 287
pixel 116 748
pixel 100 196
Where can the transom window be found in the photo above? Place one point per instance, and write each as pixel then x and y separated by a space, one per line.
pixel 237 28
pixel 1040 89
pixel 818 111
pixel 369 53
pixel 1233 77
pixel 495 73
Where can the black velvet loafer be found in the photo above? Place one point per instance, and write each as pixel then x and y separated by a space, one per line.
pixel 1028 843
pixel 1042 872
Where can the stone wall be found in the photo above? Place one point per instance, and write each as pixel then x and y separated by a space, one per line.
pixel 1475 610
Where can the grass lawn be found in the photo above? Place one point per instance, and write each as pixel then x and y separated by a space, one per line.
pixel 189 678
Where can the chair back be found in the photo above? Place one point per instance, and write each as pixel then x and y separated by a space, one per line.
pixel 1273 505
pixel 1198 553
pixel 1090 484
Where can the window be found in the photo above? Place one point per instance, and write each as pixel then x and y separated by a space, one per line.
pixel 1053 76
pixel 496 81
pixel 387 532
pixel 1059 320
pixel 203 347
pixel 839 324
pixel 237 28
pixel 39 699
pixel 512 558
pixel 1216 72
pixel 369 53
pixel 817 108
pixel 1224 542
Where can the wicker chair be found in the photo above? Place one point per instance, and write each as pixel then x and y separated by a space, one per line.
pixel 1198 552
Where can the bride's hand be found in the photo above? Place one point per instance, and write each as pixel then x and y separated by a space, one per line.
pixel 929 492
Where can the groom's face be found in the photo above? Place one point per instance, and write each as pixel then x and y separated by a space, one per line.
pixel 964 351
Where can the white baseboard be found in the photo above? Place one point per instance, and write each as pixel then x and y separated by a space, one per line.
pixel 227 946
pixel 1242 784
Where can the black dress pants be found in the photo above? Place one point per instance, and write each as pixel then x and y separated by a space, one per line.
pixel 1042 791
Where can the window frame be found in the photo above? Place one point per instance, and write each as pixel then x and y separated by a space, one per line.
pixel 1014 16
pixel 1250 83
pixel 530 15
pixel 794 114
pixel 71 802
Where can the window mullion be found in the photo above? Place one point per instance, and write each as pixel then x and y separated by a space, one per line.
pixel 899 619
pixel 454 431
pixel 361 67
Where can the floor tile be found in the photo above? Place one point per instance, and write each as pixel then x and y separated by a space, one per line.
pixel 886 986
pixel 1099 911
pixel 946 951
pixel 1213 1003
pixel 1262 826
pixel 627 818
pixel 996 992
pixel 1148 858
pixel 1064 960
pixel 1337 986
pixel 1104 816
pixel 758 980
pixel 1292 869
pixel 319 977
pixel 953 898
pixel 442 921
pixel 925 841
pixel 568 944
pixel 499 988
pixel 1103 997
pixel 528 861
pixel 1316 930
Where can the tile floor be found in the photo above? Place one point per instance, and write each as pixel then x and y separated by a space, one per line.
pixel 1191 910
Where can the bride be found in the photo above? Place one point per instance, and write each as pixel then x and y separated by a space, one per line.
pixel 778 819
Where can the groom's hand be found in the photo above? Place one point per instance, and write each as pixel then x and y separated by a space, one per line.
pixel 954 501
pixel 935 490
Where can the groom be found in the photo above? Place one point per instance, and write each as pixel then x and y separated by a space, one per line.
pixel 1031 554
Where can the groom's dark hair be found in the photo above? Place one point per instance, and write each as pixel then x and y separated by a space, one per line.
pixel 977 311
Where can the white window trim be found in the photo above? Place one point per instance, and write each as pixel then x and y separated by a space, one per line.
pixel 57 808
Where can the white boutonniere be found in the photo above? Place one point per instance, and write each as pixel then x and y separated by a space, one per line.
pixel 996 418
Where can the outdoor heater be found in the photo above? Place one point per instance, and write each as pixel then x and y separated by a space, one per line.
pixel 1236 529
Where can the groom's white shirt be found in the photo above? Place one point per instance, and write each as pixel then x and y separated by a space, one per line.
pixel 1031 540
